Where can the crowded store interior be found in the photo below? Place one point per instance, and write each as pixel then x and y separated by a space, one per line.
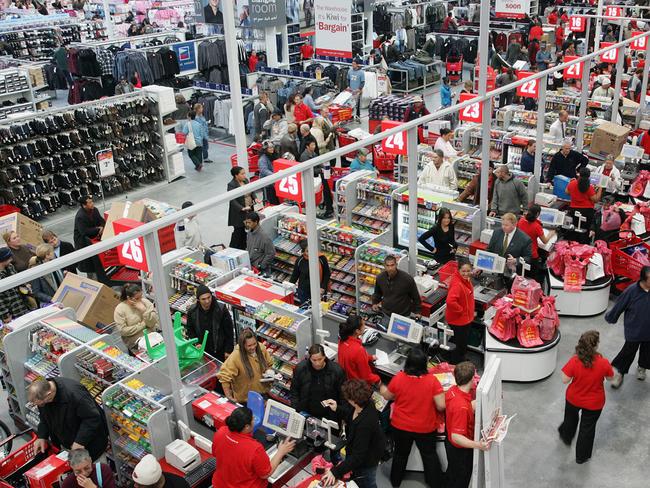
pixel 214 270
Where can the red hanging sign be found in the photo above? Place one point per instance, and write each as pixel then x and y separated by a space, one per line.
pixel 577 23
pixel 610 56
pixel 613 12
pixel 573 72
pixel 131 253
pixel 395 144
pixel 639 44
pixel 473 112
pixel 529 89
pixel 289 187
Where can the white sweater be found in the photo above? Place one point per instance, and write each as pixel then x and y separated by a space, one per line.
pixel 444 176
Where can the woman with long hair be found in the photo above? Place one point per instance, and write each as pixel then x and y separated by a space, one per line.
pixel 530 225
pixel 243 370
pixel 133 315
pixel 239 207
pixel 460 309
pixel 20 253
pixel 352 356
pixel 444 238
pixel 584 373
pixel 583 197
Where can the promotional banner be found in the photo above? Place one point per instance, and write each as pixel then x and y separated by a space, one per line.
pixel 333 28
pixel 186 53
pixel 267 13
pixel 512 9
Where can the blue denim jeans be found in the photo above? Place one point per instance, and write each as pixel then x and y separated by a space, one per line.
pixel 206 145
pixel 365 478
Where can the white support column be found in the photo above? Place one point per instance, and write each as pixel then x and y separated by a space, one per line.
pixel 271 47
pixel 541 120
pixel 312 246
pixel 108 19
pixel 599 25
pixel 483 44
pixel 232 54
pixel 161 300
pixel 412 146
pixel 644 84
pixel 584 98
pixel 619 76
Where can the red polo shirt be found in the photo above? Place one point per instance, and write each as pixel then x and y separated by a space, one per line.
pixel 586 389
pixel 242 462
pixel 307 51
pixel 536 32
pixel 414 409
pixel 532 230
pixel 355 361
pixel 302 112
pixel 460 415
pixel 579 199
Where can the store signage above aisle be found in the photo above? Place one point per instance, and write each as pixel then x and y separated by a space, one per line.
pixel 473 112
pixel 573 72
pixel 106 163
pixel 267 13
pixel 131 253
pixel 639 44
pixel 395 144
pixel 186 54
pixel 613 12
pixel 220 88
pixel 530 89
pixel 512 9
pixel 288 72
pixel 333 28
pixel 610 56
pixel 289 187
pixel 577 23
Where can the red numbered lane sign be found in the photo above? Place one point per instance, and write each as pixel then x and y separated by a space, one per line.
pixel 610 56
pixel 577 23
pixel 573 72
pixel 639 44
pixel 473 112
pixel 395 144
pixel 290 187
pixel 131 253
pixel 529 89
pixel 613 12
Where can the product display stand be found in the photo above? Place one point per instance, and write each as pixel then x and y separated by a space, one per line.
pixel 346 194
pixel 16 85
pixel 592 300
pixel 372 208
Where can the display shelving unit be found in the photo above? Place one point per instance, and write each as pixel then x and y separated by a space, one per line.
pixel 372 207
pixel 346 194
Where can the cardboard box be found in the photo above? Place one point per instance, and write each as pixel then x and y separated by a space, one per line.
pixel 30 232
pixel 212 410
pixel 123 210
pixel 93 302
pixel 609 138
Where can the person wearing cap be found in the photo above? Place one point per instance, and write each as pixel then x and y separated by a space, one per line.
pixel 604 92
pixel 208 315
pixel 276 127
pixel 356 81
pixel 12 303
pixel 444 143
pixel 85 474
pixel 149 474
pixel 439 172
pixel 361 162
pixel 415 111
pixel 242 462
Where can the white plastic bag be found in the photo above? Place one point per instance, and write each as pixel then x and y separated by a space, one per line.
pixel 596 268
pixel 638 224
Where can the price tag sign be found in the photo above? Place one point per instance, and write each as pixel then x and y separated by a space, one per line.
pixel 613 12
pixel 573 72
pixel 131 253
pixel 577 23
pixel 639 44
pixel 529 89
pixel 610 56
pixel 395 144
pixel 289 187
pixel 473 112
pixel 106 163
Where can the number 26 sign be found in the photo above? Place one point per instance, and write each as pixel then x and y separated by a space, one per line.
pixel 473 112
pixel 530 89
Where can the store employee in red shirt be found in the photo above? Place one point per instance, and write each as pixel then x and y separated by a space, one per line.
pixel 583 197
pixel 306 50
pixel 530 225
pixel 460 442
pixel 584 373
pixel 242 461
pixel 352 356
pixel 415 417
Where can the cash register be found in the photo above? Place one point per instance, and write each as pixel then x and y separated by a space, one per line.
pixel 406 332
pixel 490 286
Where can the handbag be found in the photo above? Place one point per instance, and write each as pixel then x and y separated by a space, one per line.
pixel 190 142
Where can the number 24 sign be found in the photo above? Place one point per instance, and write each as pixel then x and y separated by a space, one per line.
pixel 473 112
pixel 395 144
pixel 530 89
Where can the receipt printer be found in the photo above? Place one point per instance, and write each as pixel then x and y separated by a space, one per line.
pixel 182 456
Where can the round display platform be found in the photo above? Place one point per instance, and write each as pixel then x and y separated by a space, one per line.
pixel 520 363
pixel 591 300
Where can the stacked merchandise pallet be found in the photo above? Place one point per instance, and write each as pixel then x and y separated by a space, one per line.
pixel 373 212
pixel 339 244
pixel 286 334
pixel 370 262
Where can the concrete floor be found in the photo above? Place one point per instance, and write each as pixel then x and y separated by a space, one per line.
pixel 534 455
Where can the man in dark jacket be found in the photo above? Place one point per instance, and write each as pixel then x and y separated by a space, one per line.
pixel 316 381
pixel 289 142
pixel 88 224
pixel 395 291
pixel 69 417
pixel 566 162
pixel 211 316
pixel 300 274
pixel 306 138
pixel 635 303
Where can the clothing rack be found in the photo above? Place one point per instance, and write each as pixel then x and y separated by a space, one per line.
pixel 131 40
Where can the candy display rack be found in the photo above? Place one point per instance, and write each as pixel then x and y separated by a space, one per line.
pixel 372 205
pixel 346 194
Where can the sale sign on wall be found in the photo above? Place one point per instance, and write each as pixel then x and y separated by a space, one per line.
pixel 573 72
pixel 333 19
pixel 639 44
pixel 395 144
pixel 512 9
pixel 473 112
pixel 577 23
pixel 529 89
pixel 610 56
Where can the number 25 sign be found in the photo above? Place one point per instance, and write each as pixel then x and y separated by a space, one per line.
pixel 289 187
pixel 473 112
pixel 530 89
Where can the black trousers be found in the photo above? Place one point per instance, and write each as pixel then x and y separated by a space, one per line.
pixel 461 336
pixel 238 238
pixel 459 466
pixel 626 355
pixel 426 444
pixel 589 214
pixel 586 433
pixel 271 196
pixel 327 195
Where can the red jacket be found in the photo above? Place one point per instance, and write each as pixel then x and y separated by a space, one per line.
pixel 302 112
pixel 645 142
pixel 460 301
pixel 355 361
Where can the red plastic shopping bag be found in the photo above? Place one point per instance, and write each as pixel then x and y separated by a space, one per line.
pixel 526 293
pixel 504 326
pixel 547 319
pixel 556 259
pixel 575 273
pixel 606 253
pixel 528 333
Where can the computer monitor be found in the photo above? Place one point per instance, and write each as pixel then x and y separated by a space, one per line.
pixel 488 261
pixel 283 420
pixel 599 180
pixel 551 216
pixel 404 329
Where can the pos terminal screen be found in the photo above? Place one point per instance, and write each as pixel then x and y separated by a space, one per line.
pixel 279 418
